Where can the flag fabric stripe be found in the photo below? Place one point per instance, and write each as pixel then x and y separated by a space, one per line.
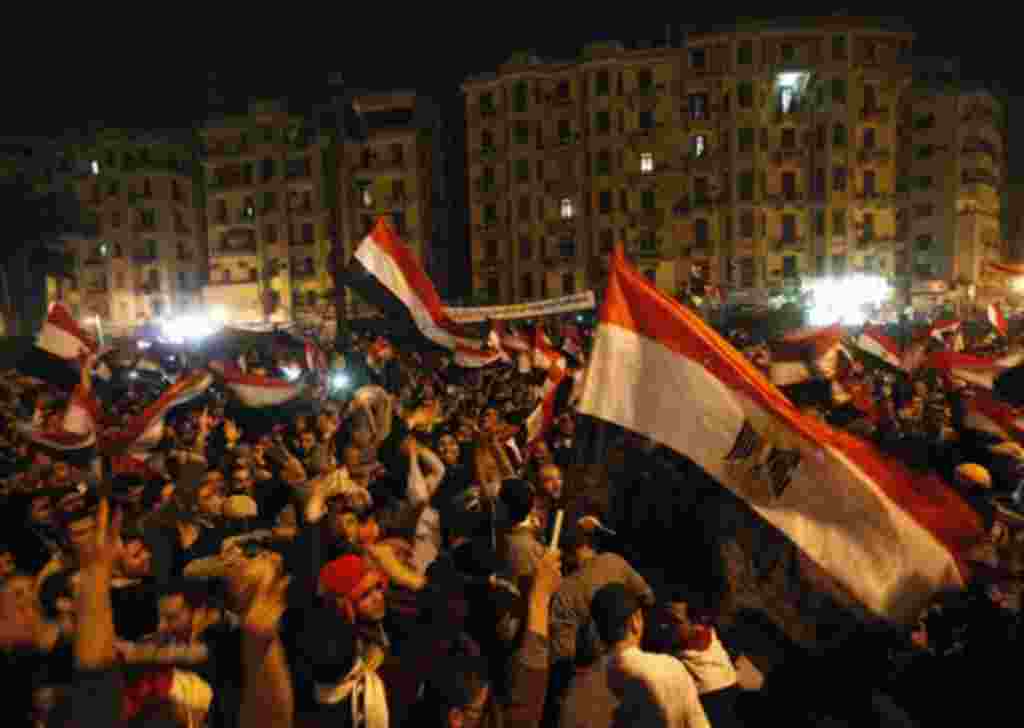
pixel 977 370
pixel 395 267
pixel 888 537
pixel 543 417
pixel 877 344
pixel 256 391
pixel 470 358
pixel 62 336
pixel 146 430
pixel 996 318
pixel 988 414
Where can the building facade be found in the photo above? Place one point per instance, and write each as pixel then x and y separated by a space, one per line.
pixel 757 155
pixel 145 256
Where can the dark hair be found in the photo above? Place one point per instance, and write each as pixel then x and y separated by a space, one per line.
pixel 517 497
pixel 612 607
pixel 457 683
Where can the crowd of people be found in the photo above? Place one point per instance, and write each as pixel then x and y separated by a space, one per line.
pixel 400 555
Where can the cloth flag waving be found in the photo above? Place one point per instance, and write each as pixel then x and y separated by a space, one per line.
pixel 981 371
pixel 145 431
pixel 888 538
pixel 387 273
pixel 998 321
pixel 875 342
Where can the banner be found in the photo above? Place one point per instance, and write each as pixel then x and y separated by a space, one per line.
pixel 533 309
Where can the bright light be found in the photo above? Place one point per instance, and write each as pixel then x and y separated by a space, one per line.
pixel 847 300
pixel 1018 284
pixel 145 345
pixel 340 380
pixel 177 330
pixel 95 167
pixel 133 375
pixel 292 373
pixel 789 79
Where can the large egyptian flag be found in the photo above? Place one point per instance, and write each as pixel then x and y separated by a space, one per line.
pixel 76 429
pixel 255 391
pixel 385 272
pixel 61 348
pixel 885 536
pixel 145 431
pixel 806 354
pixel 874 341
pixel 981 371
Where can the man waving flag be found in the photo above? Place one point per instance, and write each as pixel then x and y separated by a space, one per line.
pixel 885 536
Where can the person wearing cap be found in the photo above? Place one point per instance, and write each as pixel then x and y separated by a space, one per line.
pixel 629 686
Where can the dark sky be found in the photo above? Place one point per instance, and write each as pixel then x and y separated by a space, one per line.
pixel 432 52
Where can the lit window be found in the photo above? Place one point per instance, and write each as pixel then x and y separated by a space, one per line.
pixel 699 146
pixel 646 163
pixel 567 208
pixel 367 197
pixel 95 166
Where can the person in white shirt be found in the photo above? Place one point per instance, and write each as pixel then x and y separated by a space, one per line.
pixel 651 690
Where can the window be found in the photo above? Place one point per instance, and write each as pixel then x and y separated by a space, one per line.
pixel 248 211
pixel 645 80
pixel 147 188
pixel 567 248
pixel 522 132
pixel 526 286
pixel 602 122
pixel 114 188
pixel 267 169
pixel 745 93
pixel 701 190
pixel 789 186
pixel 698 58
pixel 645 120
pixel 624 200
pixel 839 48
pixel 543 286
pixel 247 173
pixel 869 138
pixel 604 202
pixel 525 248
pixel 486 140
pixel 924 121
pixel 819 182
pixel 745 53
pixel 789 268
pixel 397 153
pixel 270 233
pixel 923 242
pixel 522 170
pixel 838 91
pixel 839 135
pixel 307 232
pixel 698 146
pixel 701 234
pixel 789 228
pixel 748 273
pixel 567 208
pixel 648 200
pixel 924 182
pixel 698 106
pixel 490 214
pixel 491 250
pixel 819 222
pixel 728 227
pixel 746 186
pixel 602 84
pixel 747 224
pixel 604 162
pixel 607 240
pixel 745 139
pixel 568 284
pixel 524 208
pixel 367 196
pixel 839 223
pixel 520 97
pixel 646 162
pixel 788 52
pixel 788 138
pixel 564 89
pixel 115 219
pixel 839 179
pixel 540 170
pixel 564 131
pixel 870 189
pixel 838 265
pixel 487 103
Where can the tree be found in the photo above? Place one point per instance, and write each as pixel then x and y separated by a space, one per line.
pixel 37 217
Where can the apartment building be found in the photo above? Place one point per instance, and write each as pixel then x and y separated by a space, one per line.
pixel 268 213
pixel 952 179
pixel 759 155
pixel 145 255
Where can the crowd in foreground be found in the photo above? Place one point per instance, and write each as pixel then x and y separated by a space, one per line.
pixel 387 559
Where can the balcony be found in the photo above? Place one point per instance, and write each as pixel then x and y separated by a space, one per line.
pixel 875 199
pixel 789 244
pixel 140 256
pixel 789 156
pixel 562 187
pixel 561 226
pixel 647 218
pixel 873 155
pixel 784 200
pixel 874 113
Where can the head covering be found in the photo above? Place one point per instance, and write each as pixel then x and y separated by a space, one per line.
pixel 974 475
pixel 240 506
pixel 611 608
pixel 346 576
